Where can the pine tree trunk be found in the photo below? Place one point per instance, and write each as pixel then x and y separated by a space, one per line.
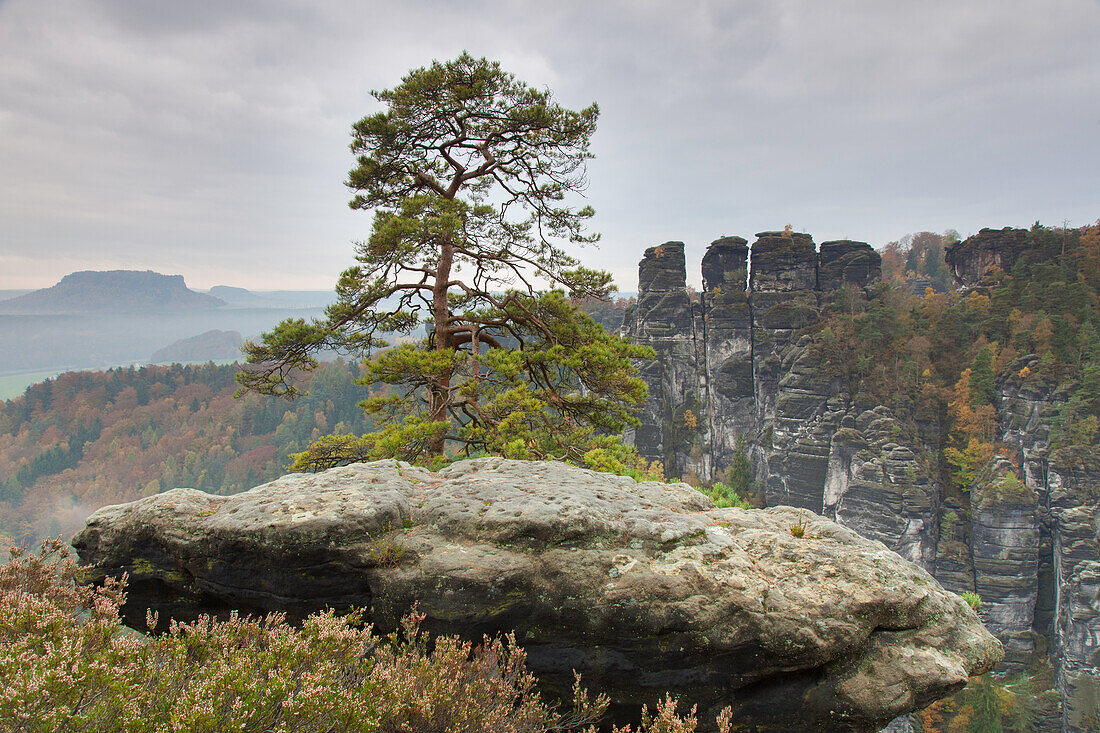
pixel 442 337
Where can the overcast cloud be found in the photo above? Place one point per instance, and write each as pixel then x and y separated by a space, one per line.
pixel 209 138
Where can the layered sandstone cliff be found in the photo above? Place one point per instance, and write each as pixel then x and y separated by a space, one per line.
pixel 734 360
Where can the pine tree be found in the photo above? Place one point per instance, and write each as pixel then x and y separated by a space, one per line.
pixel 467 170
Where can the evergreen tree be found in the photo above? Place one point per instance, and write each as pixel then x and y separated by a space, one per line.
pixel 981 378
pixel 468 170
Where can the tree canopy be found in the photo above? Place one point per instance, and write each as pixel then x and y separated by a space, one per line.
pixel 470 174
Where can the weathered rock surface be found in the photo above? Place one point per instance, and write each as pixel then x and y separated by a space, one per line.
pixel 843 261
pixel 727 349
pixel 880 487
pixel 1004 543
pixel 665 319
pixel 642 588
pixel 977 257
pixel 727 359
pixel 1073 481
pixel 1028 545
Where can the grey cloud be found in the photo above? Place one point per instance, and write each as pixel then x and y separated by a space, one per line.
pixel 211 137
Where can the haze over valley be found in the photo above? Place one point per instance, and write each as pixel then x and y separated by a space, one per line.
pixel 96 320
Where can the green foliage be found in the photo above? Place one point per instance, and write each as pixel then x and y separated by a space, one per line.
pixel 468 171
pixel 1009 488
pixel 724 495
pixel 983 699
pixel 738 484
pixel 386 550
pixel 70 666
pixel 986 704
pixel 608 454
pixel 1047 304
pixel 798 529
pixel 981 378
pixel 996 705
pixel 740 475
pixel 1020 711
pixel 938 360
pixel 970 463
pixel 1075 422
pixel 949 522
pixel 972 599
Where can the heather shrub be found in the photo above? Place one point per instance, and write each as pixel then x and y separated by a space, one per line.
pixel 67 664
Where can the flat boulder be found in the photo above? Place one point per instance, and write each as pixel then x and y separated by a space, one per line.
pixel 796 622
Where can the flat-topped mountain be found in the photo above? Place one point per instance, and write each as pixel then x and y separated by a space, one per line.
pixel 112 291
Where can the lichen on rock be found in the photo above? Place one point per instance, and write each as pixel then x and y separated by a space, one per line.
pixel 642 587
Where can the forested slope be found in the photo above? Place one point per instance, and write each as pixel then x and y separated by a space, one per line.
pixel 86 439
pixel 958 426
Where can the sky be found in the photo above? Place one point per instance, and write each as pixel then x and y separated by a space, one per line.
pixel 210 138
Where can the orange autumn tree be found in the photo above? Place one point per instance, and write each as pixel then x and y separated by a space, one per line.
pixel 970 447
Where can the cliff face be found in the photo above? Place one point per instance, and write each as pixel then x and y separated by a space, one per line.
pixel 1026 535
pixel 976 258
pixel 720 355
pixel 733 371
pixel 1071 490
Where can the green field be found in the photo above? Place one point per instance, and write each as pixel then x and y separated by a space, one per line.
pixel 13 385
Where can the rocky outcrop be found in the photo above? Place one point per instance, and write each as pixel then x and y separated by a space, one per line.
pixel 730 412
pixel 791 390
pixel 975 258
pixel 843 262
pixel 739 364
pixel 1051 511
pixel 723 361
pixel 880 487
pixel 1073 478
pixel 643 588
pixel 666 319
pixel 1024 537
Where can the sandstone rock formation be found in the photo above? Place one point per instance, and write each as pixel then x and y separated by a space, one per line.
pixel 1027 535
pixel 737 363
pixel 1071 489
pixel 642 588
pixel 975 258
pixel 723 361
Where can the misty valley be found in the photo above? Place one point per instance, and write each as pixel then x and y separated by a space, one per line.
pixel 111 323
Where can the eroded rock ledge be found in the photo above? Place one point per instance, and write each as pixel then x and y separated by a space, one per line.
pixel 642 587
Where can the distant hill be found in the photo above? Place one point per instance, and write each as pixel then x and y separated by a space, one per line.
pixel 116 291
pixel 241 298
pixel 214 345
